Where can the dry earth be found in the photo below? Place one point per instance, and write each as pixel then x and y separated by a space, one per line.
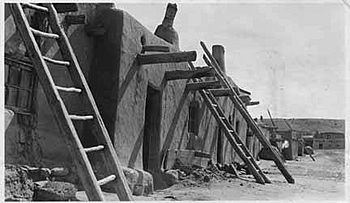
pixel 323 179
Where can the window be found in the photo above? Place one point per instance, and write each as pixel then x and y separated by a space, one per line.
pixel 320 146
pixel 193 120
pixel 20 80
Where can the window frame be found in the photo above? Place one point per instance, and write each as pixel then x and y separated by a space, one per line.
pixel 22 64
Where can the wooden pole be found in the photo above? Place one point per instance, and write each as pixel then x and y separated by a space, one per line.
pixel 253 103
pixel 187 74
pixel 219 54
pixel 155 48
pixel 176 57
pixel 224 92
pixel 203 85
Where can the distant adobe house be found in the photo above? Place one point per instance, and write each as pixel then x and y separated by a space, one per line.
pixel 317 133
pixel 286 132
pixel 307 136
pixel 321 133
pixel 150 120
pixel 329 140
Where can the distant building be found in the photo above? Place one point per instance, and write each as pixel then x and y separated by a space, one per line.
pixel 317 133
pixel 286 132
pixel 329 140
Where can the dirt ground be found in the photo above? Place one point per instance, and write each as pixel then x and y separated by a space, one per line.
pixel 323 179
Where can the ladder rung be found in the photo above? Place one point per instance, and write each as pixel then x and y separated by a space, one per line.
pixel 223 118
pixel 214 105
pixel 69 89
pixel 240 145
pixel 93 149
pixel 58 62
pixel 106 180
pixel 35 7
pixel 230 131
pixel 76 117
pixel 44 34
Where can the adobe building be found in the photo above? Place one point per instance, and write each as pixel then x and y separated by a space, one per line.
pixel 329 140
pixel 286 132
pixel 150 119
pixel 321 133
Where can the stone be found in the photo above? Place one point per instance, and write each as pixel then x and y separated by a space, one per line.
pixel 173 173
pixel 59 171
pixel 18 187
pixel 131 177
pixel 8 117
pixel 54 191
pixel 171 177
pixel 219 166
pixel 206 178
pixel 144 185
pixel 37 174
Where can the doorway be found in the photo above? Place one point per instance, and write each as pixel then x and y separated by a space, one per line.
pixel 320 146
pixel 151 137
pixel 219 147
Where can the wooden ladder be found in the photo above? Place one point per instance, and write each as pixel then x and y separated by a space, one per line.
pixel 221 76
pixel 104 148
pixel 230 133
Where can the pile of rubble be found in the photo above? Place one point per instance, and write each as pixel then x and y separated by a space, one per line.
pixel 25 183
pixel 196 175
pixel 17 184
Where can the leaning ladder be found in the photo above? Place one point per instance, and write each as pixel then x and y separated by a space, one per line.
pixel 243 111
pixel 115 179
pixel 230 133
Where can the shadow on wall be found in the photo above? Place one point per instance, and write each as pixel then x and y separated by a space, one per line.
pixel 170 135
pixel 129 76
pixel 206 132
pixel 136 149
pixel 106 29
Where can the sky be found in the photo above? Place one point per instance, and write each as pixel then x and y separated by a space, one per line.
pixel 291 57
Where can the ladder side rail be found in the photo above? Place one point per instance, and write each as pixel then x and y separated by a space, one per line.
pixel 239 104
pixel 231 139
pixel 192 67
pixel 259 176
pixel 239 140
pixel 55 102
pixel 101 133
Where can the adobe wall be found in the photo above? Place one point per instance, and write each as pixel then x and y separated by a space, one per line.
pixel 133 81
pixel 175 104
pixel 127 103
pixel 44 145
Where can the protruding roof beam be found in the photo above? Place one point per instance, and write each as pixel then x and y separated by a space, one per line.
pixel 253 103
pixel 187 74
pixel 203 85
pixel 176 57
